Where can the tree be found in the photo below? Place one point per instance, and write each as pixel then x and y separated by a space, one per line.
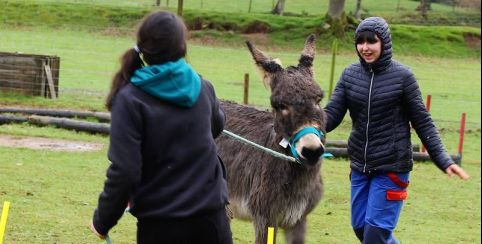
pixel 180 4
pixel 424 7
pixel 358 9
pixel 336 17
pixel 279 7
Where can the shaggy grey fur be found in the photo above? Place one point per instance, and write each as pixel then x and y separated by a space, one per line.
pixel 270 191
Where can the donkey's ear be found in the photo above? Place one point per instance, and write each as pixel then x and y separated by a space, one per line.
pixel 266 65
pixel 308 53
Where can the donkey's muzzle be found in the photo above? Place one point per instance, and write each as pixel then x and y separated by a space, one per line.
pixel 312 155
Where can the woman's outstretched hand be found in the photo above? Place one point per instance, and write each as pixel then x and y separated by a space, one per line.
pixel 456 170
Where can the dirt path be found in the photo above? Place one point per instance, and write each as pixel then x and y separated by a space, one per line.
pixel 41 143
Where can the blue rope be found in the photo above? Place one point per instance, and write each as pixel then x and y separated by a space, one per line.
pixel 107 239
pixel 292 142
pixel 274 153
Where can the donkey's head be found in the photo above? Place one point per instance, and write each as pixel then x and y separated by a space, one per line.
pixel 295 99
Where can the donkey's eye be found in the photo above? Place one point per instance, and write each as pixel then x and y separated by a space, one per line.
pixel 318 101
pixel 280 106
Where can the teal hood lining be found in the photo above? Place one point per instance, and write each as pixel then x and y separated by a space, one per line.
pixel 175 82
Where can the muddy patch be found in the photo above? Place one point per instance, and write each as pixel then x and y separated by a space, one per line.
pixel 40 143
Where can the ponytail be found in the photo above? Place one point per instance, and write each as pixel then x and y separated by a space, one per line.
pixel 130 61
pixel 161 37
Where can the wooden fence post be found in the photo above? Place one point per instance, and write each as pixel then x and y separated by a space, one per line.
pixel 50 81
pixel 180 3
pixel 334 47
pixel 246 88
pixel 42 80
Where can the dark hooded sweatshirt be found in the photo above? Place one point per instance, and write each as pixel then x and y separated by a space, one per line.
pixel 383 98
pixel 164 160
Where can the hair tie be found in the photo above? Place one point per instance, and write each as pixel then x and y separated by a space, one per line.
pixel 138 51
pixel 136 48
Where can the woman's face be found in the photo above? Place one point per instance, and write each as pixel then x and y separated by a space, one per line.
pixel 370 52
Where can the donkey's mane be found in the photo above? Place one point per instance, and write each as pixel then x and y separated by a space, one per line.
pixel 242 123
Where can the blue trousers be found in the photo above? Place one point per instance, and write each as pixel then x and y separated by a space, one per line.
pixel 376 202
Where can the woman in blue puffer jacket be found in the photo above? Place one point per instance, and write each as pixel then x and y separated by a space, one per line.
pixel 383 99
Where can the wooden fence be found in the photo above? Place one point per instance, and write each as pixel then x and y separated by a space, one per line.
pixel 29 74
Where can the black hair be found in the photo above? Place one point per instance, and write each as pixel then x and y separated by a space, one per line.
pixel 161 38
pixel 366 36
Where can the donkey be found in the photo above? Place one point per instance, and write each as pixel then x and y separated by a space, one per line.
pixel 270 191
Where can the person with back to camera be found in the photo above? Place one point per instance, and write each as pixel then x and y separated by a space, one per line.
pixel 164 160
pixel 383 98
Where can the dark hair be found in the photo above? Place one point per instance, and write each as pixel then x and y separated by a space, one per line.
pixel 161 37
pixel 365 36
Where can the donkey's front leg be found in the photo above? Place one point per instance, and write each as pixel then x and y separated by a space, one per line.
pixel 261 225
pixel 296 233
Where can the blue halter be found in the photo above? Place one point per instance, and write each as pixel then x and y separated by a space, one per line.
pixel 296 137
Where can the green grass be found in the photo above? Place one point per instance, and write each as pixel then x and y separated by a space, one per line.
pixel 89 60
pixel 53 196
pixel 280 31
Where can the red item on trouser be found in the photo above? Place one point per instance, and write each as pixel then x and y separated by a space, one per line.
pixel 396 195
pixel 397 180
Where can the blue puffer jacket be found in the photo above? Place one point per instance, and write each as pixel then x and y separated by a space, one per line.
pixel 383 98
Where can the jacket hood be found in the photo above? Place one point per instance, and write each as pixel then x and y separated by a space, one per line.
pixel 174 82
pixel 380 27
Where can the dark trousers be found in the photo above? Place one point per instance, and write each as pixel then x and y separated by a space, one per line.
pixel 209 228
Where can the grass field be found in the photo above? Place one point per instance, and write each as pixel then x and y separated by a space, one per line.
pixel 53 194
pixel 88 62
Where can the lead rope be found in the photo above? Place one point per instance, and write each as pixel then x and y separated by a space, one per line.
pixel 107 239
pixel 284 143
pixel 270 151
pixel 244 140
